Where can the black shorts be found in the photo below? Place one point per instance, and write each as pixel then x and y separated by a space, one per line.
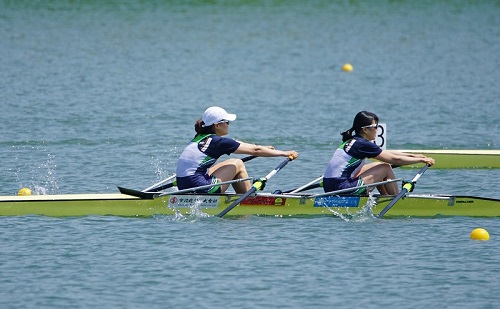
pixel 335 184
pixel 198 181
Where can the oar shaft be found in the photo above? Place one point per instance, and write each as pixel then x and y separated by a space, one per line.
pixel 238 201
pixel 150 188
pixel 166 186
pixel 306 186
pixel 256 186
pixel 158 186
pixel 403 192
pixel 207 186
pixel 356 188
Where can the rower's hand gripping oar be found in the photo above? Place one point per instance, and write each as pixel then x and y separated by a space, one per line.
pixel 259 184
pixel 407 187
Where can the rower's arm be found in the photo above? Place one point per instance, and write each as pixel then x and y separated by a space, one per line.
pixel 400 158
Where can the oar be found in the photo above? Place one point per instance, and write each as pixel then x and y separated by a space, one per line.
pixel 161 188
pixel 245 159
pixel 205 186
pixel 151 195
pixel 137 193
pixel 156 188
pixel 356 188
pixel 258 185
pixel 407 187
pixel 174 183
pixel 316 183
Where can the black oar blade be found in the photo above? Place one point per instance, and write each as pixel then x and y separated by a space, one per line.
pixel 137 193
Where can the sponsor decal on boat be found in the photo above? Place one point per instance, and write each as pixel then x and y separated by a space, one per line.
pixel 336 201
pixel 264 200
pixel 180 201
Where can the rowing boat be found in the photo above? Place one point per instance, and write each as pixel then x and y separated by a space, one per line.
pixel 260 204
pixel 460 158
pixel 265 204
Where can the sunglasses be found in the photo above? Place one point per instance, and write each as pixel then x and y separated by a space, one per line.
pixel 372 126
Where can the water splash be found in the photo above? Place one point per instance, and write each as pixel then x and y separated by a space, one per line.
pixel 40 177
pixel 363 214
pixel 366 212
pixel 160 167
pixel 195 213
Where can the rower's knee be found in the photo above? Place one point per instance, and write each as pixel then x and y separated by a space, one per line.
pixel 384 165
pixel 239 164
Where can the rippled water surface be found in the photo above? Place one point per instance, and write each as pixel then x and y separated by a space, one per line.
pixel 96 94
pixel 249 263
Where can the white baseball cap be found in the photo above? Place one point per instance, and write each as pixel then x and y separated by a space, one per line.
pixel 216 114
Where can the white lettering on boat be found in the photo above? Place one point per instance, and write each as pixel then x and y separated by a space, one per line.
pixel 204 201
pixel 336 201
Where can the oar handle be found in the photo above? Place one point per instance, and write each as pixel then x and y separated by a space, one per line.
pixel 245 159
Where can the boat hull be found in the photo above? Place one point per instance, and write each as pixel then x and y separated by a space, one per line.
pixel 261 204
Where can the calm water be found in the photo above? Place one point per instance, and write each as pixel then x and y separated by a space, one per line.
pixel 254 263
pixel 96 94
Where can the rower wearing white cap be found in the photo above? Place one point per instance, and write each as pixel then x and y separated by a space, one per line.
pixel 196 166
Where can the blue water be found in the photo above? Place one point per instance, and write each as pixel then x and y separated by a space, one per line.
pixel 96 94
pixel 253 263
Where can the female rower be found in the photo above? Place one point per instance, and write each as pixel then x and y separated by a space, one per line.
pixel 347 168
pixel 196 167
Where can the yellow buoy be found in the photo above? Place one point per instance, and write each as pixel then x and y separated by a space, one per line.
pixel 24 191
pixel 347 67
pixel 479 234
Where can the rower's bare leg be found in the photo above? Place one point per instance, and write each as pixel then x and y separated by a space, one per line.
pixel 379 171
pixel 382 190
pixel 231 169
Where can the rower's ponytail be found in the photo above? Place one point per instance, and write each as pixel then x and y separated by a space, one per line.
pixel 200 128
pixel 347 135
pixel 362 119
